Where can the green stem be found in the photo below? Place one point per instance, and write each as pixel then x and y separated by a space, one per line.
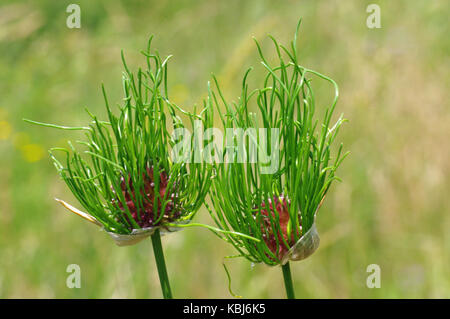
pixel 161 265
pixel 288 281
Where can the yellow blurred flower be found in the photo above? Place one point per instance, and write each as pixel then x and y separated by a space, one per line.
pixel 5 130
pixel 32 152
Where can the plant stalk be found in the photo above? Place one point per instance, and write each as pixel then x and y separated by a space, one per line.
pixel 288 281
pixel 161 265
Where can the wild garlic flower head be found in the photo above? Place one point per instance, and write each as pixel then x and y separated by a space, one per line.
pixel 278 119
pixel 123 174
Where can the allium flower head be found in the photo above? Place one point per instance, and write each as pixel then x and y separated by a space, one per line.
pixel 276 206
pixel 124 177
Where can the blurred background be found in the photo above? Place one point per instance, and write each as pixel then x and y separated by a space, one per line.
pixel 392 208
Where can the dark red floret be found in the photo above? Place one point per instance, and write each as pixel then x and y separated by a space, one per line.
pixel 271 234
pixel 146 216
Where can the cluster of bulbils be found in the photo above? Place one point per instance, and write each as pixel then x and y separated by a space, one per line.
pixel 146 216
pixel 275 239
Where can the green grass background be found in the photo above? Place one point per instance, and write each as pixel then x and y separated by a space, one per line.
pixel 391 209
